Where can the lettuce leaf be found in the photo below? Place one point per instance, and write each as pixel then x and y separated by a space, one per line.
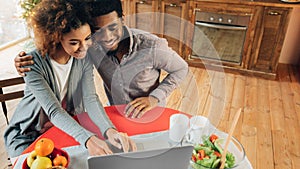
pixel 230 159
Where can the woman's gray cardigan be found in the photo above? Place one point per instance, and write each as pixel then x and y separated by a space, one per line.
pixel 41 104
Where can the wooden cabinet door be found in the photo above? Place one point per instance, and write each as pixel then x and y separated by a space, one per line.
pixel 173 20
pixel 270 36
pixel 126 11
pixel 143 15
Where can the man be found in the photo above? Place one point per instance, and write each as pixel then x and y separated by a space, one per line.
pixel 129 61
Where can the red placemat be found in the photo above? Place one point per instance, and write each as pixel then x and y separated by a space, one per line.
pixel 159 122
pixel 155 120
pixel 60 139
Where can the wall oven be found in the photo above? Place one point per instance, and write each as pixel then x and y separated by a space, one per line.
pixel 219 37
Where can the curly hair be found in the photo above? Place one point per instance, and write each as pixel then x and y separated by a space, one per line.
pixel 51 19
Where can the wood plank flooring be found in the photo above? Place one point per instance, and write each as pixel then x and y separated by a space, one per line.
pixel 269 126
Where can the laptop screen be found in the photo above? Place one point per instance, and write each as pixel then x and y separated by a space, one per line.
pixel 164 158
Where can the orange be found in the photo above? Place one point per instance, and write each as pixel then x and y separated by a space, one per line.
pixel 44 147
pixel 60 161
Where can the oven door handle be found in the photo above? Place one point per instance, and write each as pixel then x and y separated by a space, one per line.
pixel 218 26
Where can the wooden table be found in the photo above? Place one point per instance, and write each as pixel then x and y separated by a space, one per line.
pixel 154 121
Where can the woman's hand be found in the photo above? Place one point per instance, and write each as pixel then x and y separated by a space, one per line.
pixel 97 146
pixel 120 140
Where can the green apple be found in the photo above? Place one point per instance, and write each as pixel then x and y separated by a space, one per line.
pixel 41 163
pixel 31 157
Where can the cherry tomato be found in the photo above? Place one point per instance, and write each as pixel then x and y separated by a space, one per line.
pixel 213 138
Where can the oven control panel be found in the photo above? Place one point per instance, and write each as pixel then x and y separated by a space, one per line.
pixel 222 18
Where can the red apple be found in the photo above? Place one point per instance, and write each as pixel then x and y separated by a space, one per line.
pixel 56 152
pixel 59 152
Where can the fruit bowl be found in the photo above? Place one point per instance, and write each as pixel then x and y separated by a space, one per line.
pixel 56 152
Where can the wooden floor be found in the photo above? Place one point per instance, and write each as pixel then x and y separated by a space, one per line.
pixel 269 126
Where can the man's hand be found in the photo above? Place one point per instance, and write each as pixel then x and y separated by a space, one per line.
pixel 22 59
pixel 97 146
pixel 138 107
pixel 120 140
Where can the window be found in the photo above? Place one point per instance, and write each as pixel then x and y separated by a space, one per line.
pixel 13 28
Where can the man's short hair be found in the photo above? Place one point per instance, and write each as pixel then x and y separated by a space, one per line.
pixel 103 7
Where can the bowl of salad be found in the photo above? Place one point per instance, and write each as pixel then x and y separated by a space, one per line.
pixel 207 154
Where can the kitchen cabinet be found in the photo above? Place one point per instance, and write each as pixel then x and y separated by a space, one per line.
pixel 271 28
pixel 174 16
pixel 126 11
pixel 165 18
pixel 143 15
pixel 175 19
pixel 263 41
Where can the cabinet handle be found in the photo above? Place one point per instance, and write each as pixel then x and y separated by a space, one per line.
pixel 141 2
pixel 173 5
pixel 196 10
pixel 273 13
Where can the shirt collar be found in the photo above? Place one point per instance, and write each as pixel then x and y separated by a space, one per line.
pixel 127 32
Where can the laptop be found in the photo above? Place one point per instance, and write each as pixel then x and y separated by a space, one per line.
pixel 161 158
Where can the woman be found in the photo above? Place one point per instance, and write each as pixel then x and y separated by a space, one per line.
pixel 60 76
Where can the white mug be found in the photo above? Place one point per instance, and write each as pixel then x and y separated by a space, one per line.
pixel 194 133
pixel 197 122
pixel 178 126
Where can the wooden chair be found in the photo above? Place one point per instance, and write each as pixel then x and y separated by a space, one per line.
pixel 10 95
